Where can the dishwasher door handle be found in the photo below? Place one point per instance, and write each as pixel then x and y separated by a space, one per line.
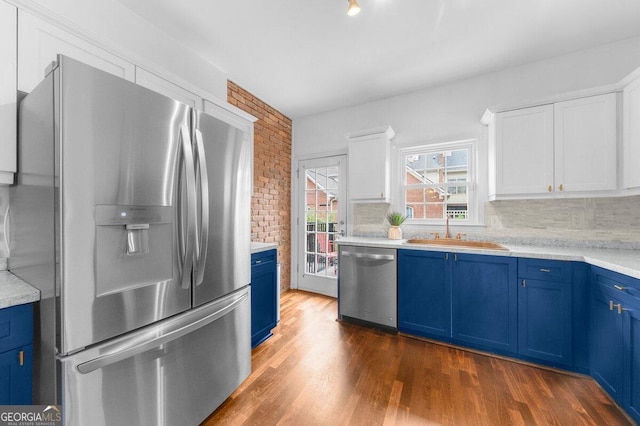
pixel 369 256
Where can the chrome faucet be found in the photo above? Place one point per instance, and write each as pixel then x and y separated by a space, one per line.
pixel 446 232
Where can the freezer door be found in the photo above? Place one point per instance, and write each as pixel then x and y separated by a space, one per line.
pixel 174 373
pixel 223 172
pixel 123 166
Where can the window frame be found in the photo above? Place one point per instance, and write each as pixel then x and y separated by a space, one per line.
pixel 472 180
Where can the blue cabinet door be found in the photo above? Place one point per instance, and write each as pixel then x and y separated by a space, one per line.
pixel 544 323
pixel 484 302
pixel 16 376
pixel 631 322
pixel 264 303
pixel 16 353
pixel 424 293
pixel 607 340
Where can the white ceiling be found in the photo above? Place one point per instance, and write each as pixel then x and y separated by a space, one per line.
pixel 307 56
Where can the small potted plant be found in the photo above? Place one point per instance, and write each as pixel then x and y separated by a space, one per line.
pixel 395 220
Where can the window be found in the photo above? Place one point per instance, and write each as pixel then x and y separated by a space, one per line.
pixel 437 181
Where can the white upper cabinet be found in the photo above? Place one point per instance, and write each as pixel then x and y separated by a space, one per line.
pixel 369 170
pixel 631 134
pixel 39 42
pixel 165 87
pixel 523 159
pixel 567 148
pixel 8 101
pixel 586 144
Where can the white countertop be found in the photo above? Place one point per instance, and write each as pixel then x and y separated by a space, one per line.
pixel 258 247
pixel 626 262
pixel 14 291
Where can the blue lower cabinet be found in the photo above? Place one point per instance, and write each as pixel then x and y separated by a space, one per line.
pixel 16 355
pixel 615 337
pixel 264 293
pixel 632 361
pixel 424 295
pixel 484 303
pixel 545 310
pixel 544 326
pixel 16 376
pixel 560 313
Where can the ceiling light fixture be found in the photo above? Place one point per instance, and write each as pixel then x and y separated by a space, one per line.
pixel 354 8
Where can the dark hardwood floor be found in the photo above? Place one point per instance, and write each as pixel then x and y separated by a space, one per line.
pixel 318 371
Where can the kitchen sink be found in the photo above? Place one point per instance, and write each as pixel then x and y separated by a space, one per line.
pixel 453 242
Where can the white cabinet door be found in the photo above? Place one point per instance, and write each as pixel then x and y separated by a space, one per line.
pixel 8 102
pixel 369 165
pixel 586 144
pixel 524 151
pixel 631 134
pixel 39 42
pixel 158 84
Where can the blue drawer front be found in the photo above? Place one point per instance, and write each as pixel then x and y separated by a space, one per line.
pixel 16 327
pixel 263 257
pixel 545 270
pixel 623 287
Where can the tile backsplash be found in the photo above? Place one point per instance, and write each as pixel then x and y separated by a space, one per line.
pixel 4 204
pixel 597 220
pixel 601 219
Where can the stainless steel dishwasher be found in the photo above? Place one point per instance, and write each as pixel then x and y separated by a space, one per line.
pixel 367 288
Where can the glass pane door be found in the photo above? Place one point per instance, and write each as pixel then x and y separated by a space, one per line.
pixel 322 221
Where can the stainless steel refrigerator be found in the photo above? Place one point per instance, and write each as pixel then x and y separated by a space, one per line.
pixel 131 214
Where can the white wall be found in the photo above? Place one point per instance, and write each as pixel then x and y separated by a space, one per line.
pixel 452 111
pixel 120 30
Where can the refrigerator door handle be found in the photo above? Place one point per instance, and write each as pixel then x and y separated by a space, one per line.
pixel 201 250
pixel 190 177
pixel 128 350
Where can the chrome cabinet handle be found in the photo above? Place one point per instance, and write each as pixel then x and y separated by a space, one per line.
pixel 545 270
pixel 619 287
pixel 621 309
pixel 203 237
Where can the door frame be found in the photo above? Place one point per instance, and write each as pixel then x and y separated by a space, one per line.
pixel 296 259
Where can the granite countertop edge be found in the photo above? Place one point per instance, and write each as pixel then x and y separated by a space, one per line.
pixel 14 291
pixel 623 261
pixel 260 247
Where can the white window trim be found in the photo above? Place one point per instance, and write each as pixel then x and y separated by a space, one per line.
pixel 473 207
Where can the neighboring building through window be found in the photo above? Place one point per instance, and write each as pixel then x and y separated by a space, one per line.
pixel 437 181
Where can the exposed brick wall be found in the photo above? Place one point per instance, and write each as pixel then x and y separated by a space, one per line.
pixel 271 201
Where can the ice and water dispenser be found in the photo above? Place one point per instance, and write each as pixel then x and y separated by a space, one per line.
pixel 134 246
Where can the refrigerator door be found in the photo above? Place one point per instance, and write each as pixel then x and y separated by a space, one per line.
pixel 174 373
pixel 123 166
pixel 223 170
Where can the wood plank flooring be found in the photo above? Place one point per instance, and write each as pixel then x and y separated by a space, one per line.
pixel 319 371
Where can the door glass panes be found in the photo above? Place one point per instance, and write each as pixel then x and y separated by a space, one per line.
pixel 321 213
pixel 436 184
